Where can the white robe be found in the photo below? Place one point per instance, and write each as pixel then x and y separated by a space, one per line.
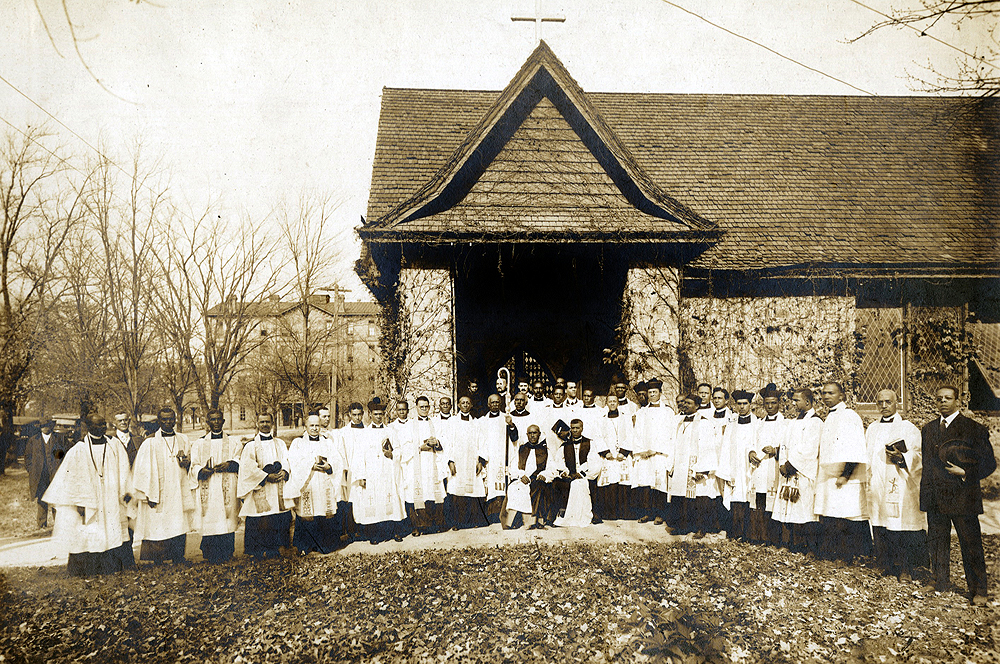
pixel 734 460
pixel 97 480
pixel 345 439
pixel 764 478
pixel 381 499
pixel 579 508
pixel 318 492
pixel 497 449
pixel 842 441
pixel 424 470
pixel 464 448
pixel 593 424
pixel 266 499
pixel 655 431
pixel 217 509
pixel 894 492
pixel 801 449
pixel 695 451
pixel 156 476
pixel 617 435
pixel 519 493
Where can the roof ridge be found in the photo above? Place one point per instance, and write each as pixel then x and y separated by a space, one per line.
pixel 529 76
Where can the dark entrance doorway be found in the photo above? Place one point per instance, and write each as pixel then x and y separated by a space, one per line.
pixel 558 305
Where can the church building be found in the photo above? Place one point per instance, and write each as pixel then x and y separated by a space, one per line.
pixel 732 239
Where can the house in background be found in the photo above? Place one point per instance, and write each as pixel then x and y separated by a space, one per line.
pixel 732 239
pixel 305 355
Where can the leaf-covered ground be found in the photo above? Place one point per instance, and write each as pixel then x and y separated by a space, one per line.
pixel 18 511
pixel 676 601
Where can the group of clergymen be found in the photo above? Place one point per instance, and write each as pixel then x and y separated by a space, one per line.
pixel 822 486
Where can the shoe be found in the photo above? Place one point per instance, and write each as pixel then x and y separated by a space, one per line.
pixel 643 519
pixel 658 521
pixel 596 520
pixel 979 600
pixel 416 533
pixel 698 535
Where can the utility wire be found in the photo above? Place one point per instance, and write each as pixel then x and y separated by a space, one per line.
pixel 923 33
pixel 769 49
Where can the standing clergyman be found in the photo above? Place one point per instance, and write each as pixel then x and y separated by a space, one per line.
pixel 163 492
pixel 90 494
pixel 264 469
pixel 215 465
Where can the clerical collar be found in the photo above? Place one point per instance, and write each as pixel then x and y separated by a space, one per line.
pixel 377 426
pixel 719 414
pixel 621 401
pixel 314 439
pixel 576 441
pixel 888 420
pixel 97 441
pixel 652 405
pixel 421 418
pixel 538 398
pixel 519 413
pixel 399 421
pixel 571 403
pixel 689 418
pixel 466 417
pixel 265 436
pixel 492 414
pixel 164 434
pixel 612 413
pixel 743 419
pixel 215 436
pixel 770 418
pixel 445 417
pixel 557 405
pixel 357 426
pixel 837 407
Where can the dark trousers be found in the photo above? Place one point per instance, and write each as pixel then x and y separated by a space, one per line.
pixel 763 529
pixel 161 550
pixel 465 511
pixel 218 548
pixel 264 536
pixel 493 508
pixel 801 537
pixel 428 518
pixel 899 551
pixel 613 501
pixel 544 506
pixel 970 538
pixel 843 539
pixel 383 531
pixel 319 533
pixel 651 503
pixel 738 521
pixel 697 515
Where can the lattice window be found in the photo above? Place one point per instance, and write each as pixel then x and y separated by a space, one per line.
pixel 522 365
pixel 986 341
pixel 881 365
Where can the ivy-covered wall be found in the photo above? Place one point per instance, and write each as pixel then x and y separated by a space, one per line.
pixel 650 325
pixel 748 342
pixel 420 341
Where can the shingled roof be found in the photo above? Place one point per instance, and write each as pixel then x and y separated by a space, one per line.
pixel 792 182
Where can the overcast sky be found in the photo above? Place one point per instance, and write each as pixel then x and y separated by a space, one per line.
pixel 251 100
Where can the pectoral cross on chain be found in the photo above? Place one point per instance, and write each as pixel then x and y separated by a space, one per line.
pixel 538 19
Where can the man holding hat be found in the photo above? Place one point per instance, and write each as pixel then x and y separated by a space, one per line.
pixel 956 454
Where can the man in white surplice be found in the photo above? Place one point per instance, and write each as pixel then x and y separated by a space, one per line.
pixel 377 479
pixel 764 470
pixel 734 465
pixel 425 468
pixel 164 492
pixel 614 494
pixel 468 460
pixel 653 454
pixel 841 491
pixel 215 465
pixel 794 507
pixel 264 469
pixel 90 493
pixel 318 466
pixel 899 528
pixel 499 439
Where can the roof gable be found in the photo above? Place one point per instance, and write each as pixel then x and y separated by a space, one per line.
pixel 541 159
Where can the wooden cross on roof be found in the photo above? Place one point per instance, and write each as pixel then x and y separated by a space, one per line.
pixel 538 19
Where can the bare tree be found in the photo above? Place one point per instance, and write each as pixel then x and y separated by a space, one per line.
pixel 40 209
pixel 978 71
pixel 307 334
pixel 124 209
pixel 213 278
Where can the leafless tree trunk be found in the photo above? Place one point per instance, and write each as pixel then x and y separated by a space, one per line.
pixel 214 278
pixel 40 209
pixel 307 334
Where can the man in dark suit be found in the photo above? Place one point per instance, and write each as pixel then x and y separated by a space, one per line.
pixel 956 454
pixel 42 457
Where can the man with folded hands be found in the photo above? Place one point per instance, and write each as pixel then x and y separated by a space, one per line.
pixel 264 469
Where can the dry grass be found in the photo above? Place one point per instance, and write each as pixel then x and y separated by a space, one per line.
pixel 17 510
